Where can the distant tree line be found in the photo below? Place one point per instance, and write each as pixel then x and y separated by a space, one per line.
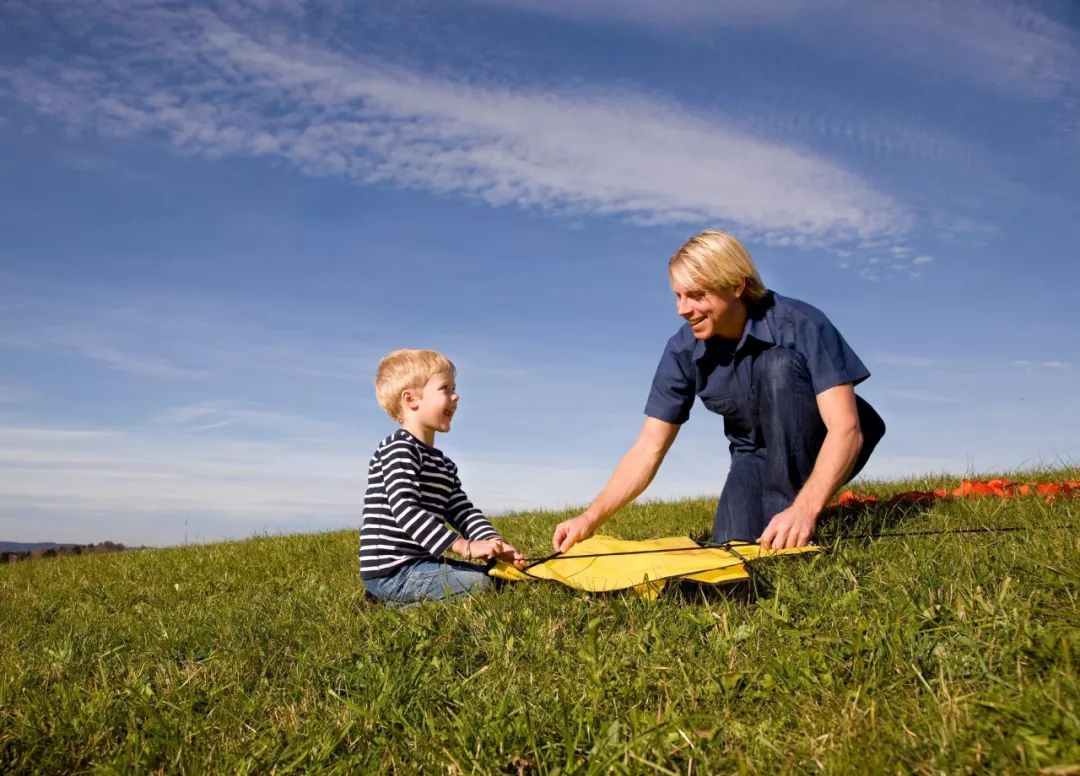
pixel 62 550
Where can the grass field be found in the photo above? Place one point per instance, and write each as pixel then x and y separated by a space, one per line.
pixel 926 654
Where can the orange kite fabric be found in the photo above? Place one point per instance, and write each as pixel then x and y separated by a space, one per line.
pixel 968 489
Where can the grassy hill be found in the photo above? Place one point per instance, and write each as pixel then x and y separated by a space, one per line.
pixel 924 653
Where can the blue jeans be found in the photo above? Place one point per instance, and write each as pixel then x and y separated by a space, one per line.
pixel 428 580
pixel 764 482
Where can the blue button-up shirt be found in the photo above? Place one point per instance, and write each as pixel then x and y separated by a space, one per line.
pixel 719 370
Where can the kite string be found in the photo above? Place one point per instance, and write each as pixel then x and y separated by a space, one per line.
pixel 730 546
pixel 946 531
pixel 562 556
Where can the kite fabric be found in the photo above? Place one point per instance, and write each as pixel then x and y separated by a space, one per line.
pixel 602 564
pixel 968 489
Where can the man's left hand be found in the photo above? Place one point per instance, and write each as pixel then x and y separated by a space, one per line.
pixel 791 528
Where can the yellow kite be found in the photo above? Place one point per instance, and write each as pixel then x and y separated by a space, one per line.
pixel 602 564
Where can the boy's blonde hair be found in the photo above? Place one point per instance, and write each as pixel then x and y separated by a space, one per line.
pixel 406 369
pixel 716 261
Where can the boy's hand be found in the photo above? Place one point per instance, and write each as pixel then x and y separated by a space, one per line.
pixel 511 556
pixel 484 549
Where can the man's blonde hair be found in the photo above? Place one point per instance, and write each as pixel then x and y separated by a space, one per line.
pixel 406 369
pixel 716 261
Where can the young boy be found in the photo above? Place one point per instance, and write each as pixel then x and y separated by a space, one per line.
pixel 413 488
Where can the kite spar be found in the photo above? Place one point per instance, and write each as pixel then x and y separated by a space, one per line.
pixel 602 564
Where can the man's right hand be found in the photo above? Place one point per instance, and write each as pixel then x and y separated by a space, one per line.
pixel 570 532
pixel 633 474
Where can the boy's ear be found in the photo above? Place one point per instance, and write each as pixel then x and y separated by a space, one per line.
pixel 409 398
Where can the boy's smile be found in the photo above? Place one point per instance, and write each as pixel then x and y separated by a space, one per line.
pixel 432 408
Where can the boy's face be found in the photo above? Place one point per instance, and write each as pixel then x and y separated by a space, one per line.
pixel 437 402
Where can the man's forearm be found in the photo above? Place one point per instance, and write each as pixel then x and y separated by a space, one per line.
pixel 630 478
pixel 633 474
pixel 837 456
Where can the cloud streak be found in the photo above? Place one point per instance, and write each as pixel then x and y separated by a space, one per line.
pixel 917 395
pixel 1041 364
pixel 208 87
pixel 151 479
pixel 1000 45
pixel 210 416
pixel 173 338
pixel 233 486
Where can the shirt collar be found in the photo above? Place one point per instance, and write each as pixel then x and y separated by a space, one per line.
pixel 756 327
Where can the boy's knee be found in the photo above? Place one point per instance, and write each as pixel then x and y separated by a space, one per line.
pixel 467 582
pixel 480 582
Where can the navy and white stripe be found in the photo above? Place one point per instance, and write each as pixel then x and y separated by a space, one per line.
pixel 412 489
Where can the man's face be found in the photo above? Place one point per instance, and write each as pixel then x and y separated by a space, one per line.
pixel 710 313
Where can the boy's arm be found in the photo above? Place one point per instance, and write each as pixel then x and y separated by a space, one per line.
pixel 401 478
pixel 467 518
pixel 472 523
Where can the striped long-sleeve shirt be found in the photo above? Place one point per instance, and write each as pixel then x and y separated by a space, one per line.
pixel 413 490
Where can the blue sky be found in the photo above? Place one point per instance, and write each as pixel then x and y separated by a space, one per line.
pixel 218 217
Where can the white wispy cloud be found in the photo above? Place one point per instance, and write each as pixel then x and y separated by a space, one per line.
pixel 1001 45
pixel 147 481
pixel 105 347
pixel 144 364
pixel 209 416
pixel 673 14
pixel 918 395
pixel 208 86
pixel 178 338
pixel 1053 364
pixel 907 362
pixel 877 260
pixel 241 485
pixel 887 134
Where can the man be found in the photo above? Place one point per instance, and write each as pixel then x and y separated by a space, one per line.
pixel 782 377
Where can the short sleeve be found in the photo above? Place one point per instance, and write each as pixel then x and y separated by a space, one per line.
pixel 672 392
pixel 830 359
